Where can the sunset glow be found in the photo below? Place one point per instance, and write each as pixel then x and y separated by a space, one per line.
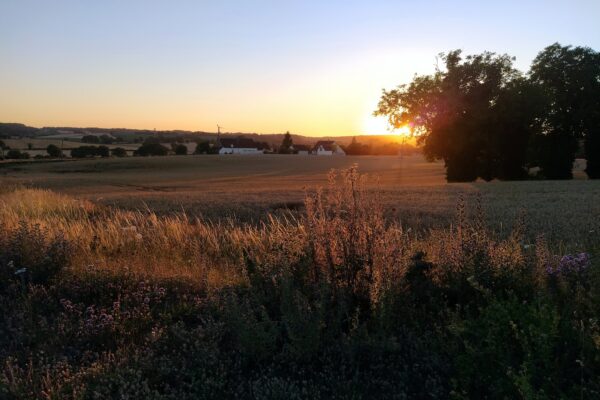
pixel 379 126
pixel 289 66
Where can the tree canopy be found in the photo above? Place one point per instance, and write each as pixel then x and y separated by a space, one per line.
pixel 287 144
pixel 569 78
pixel 90 151
pixel 54 151
pixel 485 119
pixel 152 149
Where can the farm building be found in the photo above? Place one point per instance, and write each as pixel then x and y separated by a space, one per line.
pixel 240 145
pixel 327 148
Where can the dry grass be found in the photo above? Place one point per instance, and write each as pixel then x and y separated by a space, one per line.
pixel 140 242
pixel 346 223
pixel 249 189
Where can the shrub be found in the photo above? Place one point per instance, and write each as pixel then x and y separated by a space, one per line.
pixel 119 152
pixel 90 139
pixel 90 151
pixel 30 254
pixel 54 151
pixel 151 149
pixel 181 149
pixel 14 154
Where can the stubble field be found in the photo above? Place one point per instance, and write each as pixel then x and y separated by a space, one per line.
pixel 248 188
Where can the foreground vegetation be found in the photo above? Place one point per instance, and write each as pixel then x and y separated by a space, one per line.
pixel 340 301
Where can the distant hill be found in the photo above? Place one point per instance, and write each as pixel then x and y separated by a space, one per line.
pixel 21 130
pixel 14 129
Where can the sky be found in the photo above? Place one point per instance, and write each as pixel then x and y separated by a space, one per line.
pixel 315 68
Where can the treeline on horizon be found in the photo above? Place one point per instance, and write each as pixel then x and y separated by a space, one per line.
pixel 21 130
pixel 485 119
pixel 206 141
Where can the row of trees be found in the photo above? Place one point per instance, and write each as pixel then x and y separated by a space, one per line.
pixel 102 139
pixel 485 119
pixel 90 151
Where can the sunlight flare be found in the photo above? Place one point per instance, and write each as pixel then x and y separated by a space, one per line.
pixel 373 125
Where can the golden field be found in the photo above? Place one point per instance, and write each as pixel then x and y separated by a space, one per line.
pixel 248 188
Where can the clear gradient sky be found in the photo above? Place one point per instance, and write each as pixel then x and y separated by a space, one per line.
pixel 310 67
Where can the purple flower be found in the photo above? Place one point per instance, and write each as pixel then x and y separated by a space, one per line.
pixel 568 264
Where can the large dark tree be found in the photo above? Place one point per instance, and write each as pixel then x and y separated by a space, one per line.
pixel 514 123
pixel 570 80
pixel 455 112
pixel 287 145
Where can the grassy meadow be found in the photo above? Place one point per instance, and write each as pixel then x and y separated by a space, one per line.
pixel 272 277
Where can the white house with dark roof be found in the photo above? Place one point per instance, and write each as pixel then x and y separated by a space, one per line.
pixel 239 145
pixel 327 148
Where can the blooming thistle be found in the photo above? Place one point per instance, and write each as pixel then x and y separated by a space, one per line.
pixel 570 263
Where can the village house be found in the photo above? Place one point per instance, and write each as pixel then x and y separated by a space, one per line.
pixel 239 145
pixel 327 148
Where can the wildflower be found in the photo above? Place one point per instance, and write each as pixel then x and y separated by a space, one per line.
pixel 570 263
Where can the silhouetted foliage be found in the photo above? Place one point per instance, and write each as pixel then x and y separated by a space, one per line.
pixel 152 149
pixel 456 110
pixel 206 147
pixel 486 120
pixel 119 152
pixel 15 154
pixel 103 151
pixel 286 144
pixel 54 151
pixel 570 80
pixel 90 139
pixel 515 123
pixel 357 149
pixel 180 149
pixel 106 139
pixel 90 151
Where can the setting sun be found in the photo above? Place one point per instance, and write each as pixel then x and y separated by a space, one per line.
pixel 379 126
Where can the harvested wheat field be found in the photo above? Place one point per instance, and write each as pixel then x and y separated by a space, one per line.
pixel 248 188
